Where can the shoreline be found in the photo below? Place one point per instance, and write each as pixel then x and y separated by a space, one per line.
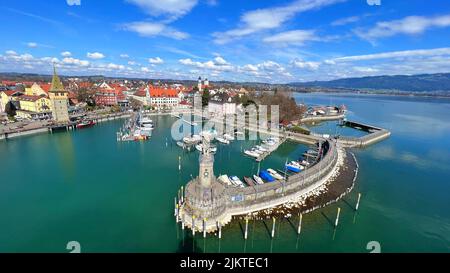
pixel 415 95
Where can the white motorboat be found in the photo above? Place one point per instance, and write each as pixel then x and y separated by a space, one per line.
pixel 228 137
pixel 223 140
pixel 275 174
pixel 257 151
pixel 236 181
pixel 199 148
pixel 296 163
pixel 224 179
pixel 251 153
pixel 258 179
pixel 262 149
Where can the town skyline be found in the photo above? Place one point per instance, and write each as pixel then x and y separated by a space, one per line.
pixel 270 42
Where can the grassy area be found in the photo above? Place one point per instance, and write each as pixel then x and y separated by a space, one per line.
pixel 300 130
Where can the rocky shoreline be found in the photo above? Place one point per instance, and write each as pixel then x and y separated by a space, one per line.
pixel 340 184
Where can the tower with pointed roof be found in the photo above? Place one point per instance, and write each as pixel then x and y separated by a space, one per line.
pixel 59 98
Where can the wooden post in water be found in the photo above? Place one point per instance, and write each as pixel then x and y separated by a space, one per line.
pixel 204 227
pixel 300 224
pixel 357 202
pixel 182 194
pixel 175 203
pixel 193 225
pixel 337 217
pixel 176 212
pixel 182 220
pixel 273 227
pixel 246 228
pixel 179 163
pixel 220 230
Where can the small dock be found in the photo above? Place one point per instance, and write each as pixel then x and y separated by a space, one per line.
pixel 271 150
pixel 376 134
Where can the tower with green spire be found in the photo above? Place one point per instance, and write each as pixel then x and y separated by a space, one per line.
pixel 59 98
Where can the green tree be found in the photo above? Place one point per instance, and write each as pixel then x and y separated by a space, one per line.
pixel 10 109
pixel 205 97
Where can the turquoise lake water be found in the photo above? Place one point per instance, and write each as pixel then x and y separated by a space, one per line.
pixel 118 197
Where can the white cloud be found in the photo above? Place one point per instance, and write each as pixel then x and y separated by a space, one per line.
pixel 250 67
pixel 124 56
pixel 32 44
pixel 156 60
pixel 364 69
pixel 305 64
pixel 395 54
pixel 95 55
pixel 411 25
pixel 73 2
pixel 296 37
pixel 66 54
pixel 218 64
pixel 174 8
pixel 220 61
pixel 76 62
pixel 115 66
pixel 11 52
pixel 152 29
pixel 131 63
pixel 145 69
pixel 346 21
pixel 269 18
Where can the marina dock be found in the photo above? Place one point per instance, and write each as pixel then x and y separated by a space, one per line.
pixel 376 134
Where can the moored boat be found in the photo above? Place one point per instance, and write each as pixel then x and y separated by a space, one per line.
pixel 223 140
pixel 236 181
pixel 292 168
pixel 251 153
pixel 275 174
pixel 225 180
pixel 85 124
pixel 266 176
pixel 258 179
pixel 249 181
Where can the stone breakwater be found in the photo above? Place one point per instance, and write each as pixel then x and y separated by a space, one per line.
pixel 341 183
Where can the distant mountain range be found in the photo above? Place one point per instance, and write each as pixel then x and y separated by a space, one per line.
pixel 413 83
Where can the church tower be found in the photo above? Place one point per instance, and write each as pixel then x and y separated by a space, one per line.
pixel 59 98
pixel 199 84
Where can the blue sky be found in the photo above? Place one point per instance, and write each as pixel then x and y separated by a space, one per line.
pixel 248 40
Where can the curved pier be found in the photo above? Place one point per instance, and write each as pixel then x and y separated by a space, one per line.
pixel 208 205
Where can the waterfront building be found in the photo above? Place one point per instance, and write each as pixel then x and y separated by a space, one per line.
pixel 7 96
pixel 33 107
pixel 158 97
pixel 59 98
pixel 111 94
pixel 220 108
pixel 39 89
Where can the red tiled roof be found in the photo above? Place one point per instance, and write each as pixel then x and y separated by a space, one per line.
pixel 45 86
pixel 10 92
pixel 141 92
pixel 28 98
pixel 161 92
pixel 9 83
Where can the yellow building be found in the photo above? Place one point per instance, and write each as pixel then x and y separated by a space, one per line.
pixel 33 106
pixel 59 100
pixel 38 89
pixel 6 96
